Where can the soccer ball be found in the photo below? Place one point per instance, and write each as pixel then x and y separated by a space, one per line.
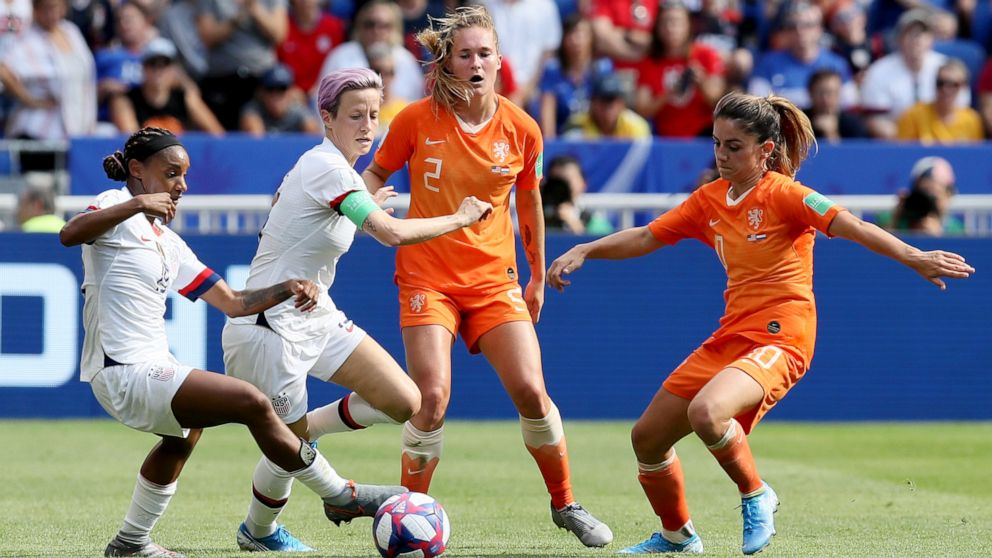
pixel 410 525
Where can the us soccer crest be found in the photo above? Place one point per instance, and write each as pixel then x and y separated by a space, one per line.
pixel 755 216
pixel 501 149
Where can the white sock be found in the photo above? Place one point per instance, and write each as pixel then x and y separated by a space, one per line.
pixel 271 487
pixel 420 445
pixel 547 431
pixel 320 477
pixel 148 503
pixel 683 534
pixel 347 414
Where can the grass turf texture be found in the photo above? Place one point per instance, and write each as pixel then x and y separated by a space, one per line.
pixel 873 490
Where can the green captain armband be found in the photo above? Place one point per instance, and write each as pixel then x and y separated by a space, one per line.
pixel 357 207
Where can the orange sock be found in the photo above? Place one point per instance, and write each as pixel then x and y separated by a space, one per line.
pixel 552 460
pixel 545 440
pixel 417 472
pixel 733 453
pixel 664 486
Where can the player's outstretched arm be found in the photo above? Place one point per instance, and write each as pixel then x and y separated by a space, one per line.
pixel 90 225
pixel 363 210
pixel 931 265
pixel 375 177
pixel 622 245
pixel 248 302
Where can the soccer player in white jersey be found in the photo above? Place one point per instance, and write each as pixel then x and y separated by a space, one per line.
pixel 131 260
pixel 320 204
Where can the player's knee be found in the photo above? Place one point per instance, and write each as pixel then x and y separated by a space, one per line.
pixel 531 401
pixel 433 405
pixel 181 447
pixel 404 404
pixel 703 414
pixel 643 438
pixel 254 405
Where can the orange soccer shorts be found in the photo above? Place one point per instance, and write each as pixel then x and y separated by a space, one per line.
pixel 470 315
pixel 776 367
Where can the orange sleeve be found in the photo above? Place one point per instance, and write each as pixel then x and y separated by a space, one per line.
pixel 533 171
pixel 807 206
pixel 679 222
pixel 396 146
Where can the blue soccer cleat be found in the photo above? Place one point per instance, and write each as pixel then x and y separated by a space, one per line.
pixel 759 525
pixel 657 544
pixel 280 541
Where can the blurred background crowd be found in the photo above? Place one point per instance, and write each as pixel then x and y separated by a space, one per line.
pixel 912 70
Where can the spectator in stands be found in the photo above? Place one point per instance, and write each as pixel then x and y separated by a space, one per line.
pixel 680 80
pixel 943 121
pixel 849 30
pixel 274 110
pixel 950 44
pixel 241 38
pixel 164 98
pixel 381 62
pixel 95 20
pixel 379 21
pixel 530 33
pixel 622 29
pixel 51 75
pixel 15 17
pixel 313 33
pixel 608 115
pixel 786 72
pixel 896 81
pixel 36 211
pixel 925 208
pixel 830 121
pixel 984 88
pixel 178 24
pixel 762 224
pixel 561 191
pixel 118 66
pixel 567 82
pixel 721 24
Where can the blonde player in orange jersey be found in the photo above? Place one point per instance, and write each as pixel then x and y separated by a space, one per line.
pixel 762 224
pixel 466 140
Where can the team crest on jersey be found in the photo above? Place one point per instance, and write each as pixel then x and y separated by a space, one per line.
pixel 418 302
pixel 755 216
pixel 501 149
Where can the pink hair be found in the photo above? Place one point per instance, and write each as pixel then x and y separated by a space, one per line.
pixel 334 84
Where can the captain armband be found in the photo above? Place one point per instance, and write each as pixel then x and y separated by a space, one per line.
pixel 358 206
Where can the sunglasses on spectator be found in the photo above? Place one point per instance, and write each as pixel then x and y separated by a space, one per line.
pixel 950 83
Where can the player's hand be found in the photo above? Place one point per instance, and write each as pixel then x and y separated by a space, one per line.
pixel 567 263
pixel 159 205
pixel 382 195
pixel 305 294
pixel 936 264
pixel 474 210
pixel 534 297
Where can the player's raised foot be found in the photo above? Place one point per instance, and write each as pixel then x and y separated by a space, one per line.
pixel 280 541
pixel 365 501
pixel 657 544
pixel 589 530
pixel 759 523
pixel 117 547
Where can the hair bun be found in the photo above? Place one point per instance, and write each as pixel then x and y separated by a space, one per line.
pixel 113 166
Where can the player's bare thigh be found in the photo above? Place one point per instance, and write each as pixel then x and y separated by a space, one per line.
pixel 730 393
pixel 372 373
pixel 663 423
pixel 428 359
pixel 513 351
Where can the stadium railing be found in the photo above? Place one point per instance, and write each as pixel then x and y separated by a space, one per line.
pixel 245 214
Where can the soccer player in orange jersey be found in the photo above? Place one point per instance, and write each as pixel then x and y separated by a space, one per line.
pixel 762 224
pixel 466 140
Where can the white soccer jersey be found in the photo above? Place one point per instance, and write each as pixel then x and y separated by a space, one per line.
pixel 127 273
pixel 304 237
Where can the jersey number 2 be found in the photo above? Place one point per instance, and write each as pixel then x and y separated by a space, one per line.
pixel 435 174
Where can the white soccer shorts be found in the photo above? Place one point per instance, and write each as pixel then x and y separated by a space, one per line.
pixel 140 395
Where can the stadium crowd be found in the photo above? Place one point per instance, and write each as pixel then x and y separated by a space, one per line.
pixel 886 69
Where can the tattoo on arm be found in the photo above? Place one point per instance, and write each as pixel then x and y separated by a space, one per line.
pixel 527 244
pixel 258 300
pixel 368 226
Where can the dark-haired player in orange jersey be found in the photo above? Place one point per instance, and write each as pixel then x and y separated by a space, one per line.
pixel 762 224
pixel 466 140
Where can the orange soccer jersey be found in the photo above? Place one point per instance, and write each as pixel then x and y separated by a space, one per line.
pixel 764 240
pixel 448 163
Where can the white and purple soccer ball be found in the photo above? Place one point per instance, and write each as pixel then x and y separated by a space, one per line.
pixel 411 525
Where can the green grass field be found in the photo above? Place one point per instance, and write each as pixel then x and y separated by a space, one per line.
pixel 872 490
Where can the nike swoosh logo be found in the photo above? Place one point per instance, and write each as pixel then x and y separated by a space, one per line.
pixel 412 472
pixel 429 141
pixel 713 222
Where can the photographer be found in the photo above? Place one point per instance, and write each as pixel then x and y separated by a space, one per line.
pixel 560 191
pixel 924 208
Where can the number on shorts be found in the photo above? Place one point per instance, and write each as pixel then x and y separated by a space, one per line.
pixel 766 356
pixel 517 299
